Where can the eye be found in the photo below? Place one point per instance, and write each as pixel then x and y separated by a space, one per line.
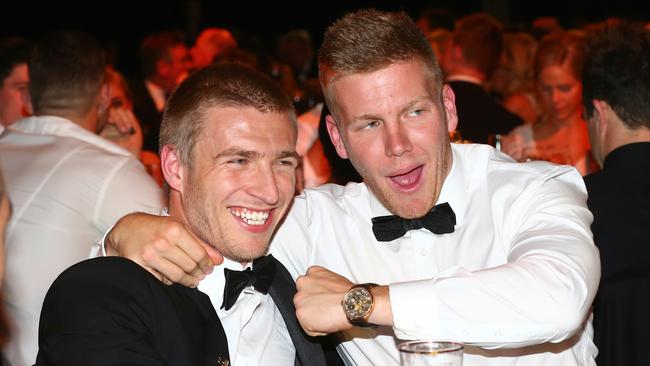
pixel 371 124
pixel 564 88
pixel 292 163
pixel 240 161
pixel 415 113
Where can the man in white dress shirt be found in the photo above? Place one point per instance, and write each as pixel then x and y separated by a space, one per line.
pixel 66 184
pixel 480 250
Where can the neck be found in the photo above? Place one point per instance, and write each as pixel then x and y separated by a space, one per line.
pixel 88 121
pixel 625 136
pixel 162 83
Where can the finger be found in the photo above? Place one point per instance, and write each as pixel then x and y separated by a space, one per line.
pixel 120 119
pixel 207 257
pixel 169 272
pixel 315 269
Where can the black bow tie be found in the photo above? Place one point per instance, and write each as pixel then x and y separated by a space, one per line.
pixel 440 220
pixel 260 278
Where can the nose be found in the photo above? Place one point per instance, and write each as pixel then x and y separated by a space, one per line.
pixel 396 140
pixel 264 185
pixel 555 96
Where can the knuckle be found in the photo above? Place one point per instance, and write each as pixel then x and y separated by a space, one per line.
pixel 159 244
pixel 171 229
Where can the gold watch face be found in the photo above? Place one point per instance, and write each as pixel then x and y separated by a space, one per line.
pixel 357 303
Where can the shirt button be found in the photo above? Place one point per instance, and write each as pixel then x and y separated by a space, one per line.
pixel 423 252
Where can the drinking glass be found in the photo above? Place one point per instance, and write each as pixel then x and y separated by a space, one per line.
pixel 431 353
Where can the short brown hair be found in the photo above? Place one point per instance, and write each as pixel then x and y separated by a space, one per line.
pixel 66 71
pixel 480 37
pixel 369 40
pixel 220 85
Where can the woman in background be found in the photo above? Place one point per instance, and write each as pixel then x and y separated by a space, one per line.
pixel 560 134
pixel 121 112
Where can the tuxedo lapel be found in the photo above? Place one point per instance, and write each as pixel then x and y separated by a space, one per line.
pixel 216 342
pixel 282 290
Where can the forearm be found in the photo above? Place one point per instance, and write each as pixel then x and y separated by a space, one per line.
pixel 528 302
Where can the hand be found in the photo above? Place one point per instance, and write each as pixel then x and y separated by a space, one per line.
pixel 124 129
pixel 318 301
pixel 164 246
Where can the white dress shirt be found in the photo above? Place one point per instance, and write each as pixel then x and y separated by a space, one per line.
pixel 514 281
pixel 67 186
pixel 256 332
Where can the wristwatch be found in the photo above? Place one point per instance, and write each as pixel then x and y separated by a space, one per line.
pixel 358 304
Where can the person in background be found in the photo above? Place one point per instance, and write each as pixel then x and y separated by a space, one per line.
pixel 165 62
pixel 616 90
pixel 468 62
pixel 296 50
pixel 560 133
pixel 514 79
pixel 440 241
pixel 5 213
pixel 14 80
pixel 67 185
pixel 210 43
pixel 121 113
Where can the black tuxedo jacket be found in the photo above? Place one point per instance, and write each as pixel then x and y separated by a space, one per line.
pixel 479 115
pixel 111 311
pixel 619 198
pixel 145 110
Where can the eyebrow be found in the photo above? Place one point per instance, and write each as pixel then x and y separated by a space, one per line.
pixel 249 154
pixel 372 116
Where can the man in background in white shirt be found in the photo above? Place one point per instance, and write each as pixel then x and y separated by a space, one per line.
pixel 480 250
pixel 66 184
pixel 228 155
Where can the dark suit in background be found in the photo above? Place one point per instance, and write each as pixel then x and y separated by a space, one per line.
pixel 145 110
pixel 110 311
pixel 619 197
pixel 479 115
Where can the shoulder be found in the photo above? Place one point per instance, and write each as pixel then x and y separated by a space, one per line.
pixel 105 272
pixel 332 197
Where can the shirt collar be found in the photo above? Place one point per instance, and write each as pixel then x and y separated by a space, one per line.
pixel 630 156
pixel 453 191
pixel 58 126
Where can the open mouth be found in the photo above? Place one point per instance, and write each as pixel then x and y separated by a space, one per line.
pixel 250 217
pixel 408 180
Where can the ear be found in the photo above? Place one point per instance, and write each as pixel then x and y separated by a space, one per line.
pixel 449 105
pixel 172 168
pixel 27 102
pixel 104 100
pixel 335 136
pixel 601 111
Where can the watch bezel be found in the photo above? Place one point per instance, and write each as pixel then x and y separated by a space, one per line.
pixel 360 320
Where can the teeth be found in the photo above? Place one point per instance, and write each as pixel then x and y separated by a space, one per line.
pixel 251 217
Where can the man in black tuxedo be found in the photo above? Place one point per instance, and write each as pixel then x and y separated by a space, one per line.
pixel 616 88
pixel 228 157
pixel 468 61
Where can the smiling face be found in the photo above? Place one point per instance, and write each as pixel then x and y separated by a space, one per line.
pixel 394 128
pixel 241 181
pixel 561 92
